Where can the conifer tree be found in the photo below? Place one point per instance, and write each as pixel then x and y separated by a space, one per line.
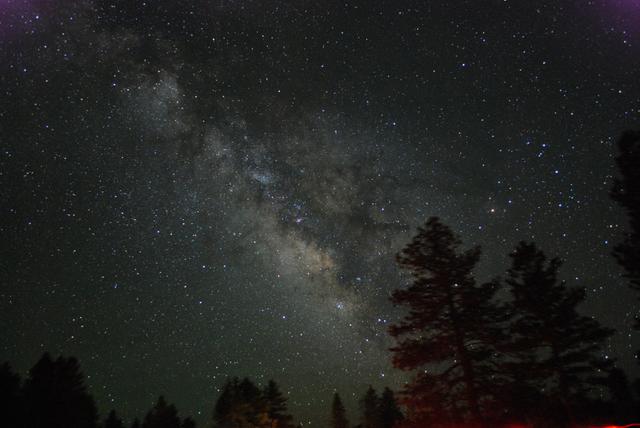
pixel 626 192
pixel 390 413
pixel 624 408
pixel 553 348
pixel 56 396
pixel 276 407
pixel 338 414
pixel 188 422
pixel 163 415
pixel 10 397
pixel 224 404
pixel 113 421
pixel 241 404
pixel 452 325
pixel 371 409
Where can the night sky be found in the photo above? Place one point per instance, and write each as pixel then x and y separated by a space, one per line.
pixel 192 190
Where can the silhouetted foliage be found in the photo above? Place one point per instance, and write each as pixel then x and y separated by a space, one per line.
pixel 242 404
pixel 10 397
pixel 162 415
pixel 389 411
pixel 452 326
pixel 188 422
pixel 56 397
pixel 553 347
pixel 379 412
pixel 371 417
pixel 429 403
pixel 623 406
pixel 113 421
pixel 135 423
pixel 338 414
pixel 626 192
pixel 276 407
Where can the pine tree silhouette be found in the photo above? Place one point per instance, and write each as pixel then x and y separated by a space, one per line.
pixel 338 414
pixel 242 404
pixel 56 397
pixel 113 421
pixel 390 413
pixel 224 404
pixel 452 325
pixel 554 348
pixel 624 408
pixel 188 422
pixel 10 398
pixel 276 407
pixel 162 415
pixel 371 417
pixel 626 192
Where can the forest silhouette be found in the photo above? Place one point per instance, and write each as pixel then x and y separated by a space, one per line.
pixel 476 358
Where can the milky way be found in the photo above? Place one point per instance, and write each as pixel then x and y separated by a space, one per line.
pixel 196 190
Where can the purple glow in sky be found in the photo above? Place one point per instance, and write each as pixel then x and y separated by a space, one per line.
pixel 618 16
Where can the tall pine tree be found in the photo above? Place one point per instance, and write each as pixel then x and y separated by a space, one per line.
pixel 10 398
pixel 188 422
pixel 371 409
pixel 554 349
pixel 338 417
pixel 451 326
pixel 56 396
pixel 242 404
pixel 278 416
pixel 390 413
pixel 626 192
pixel 113 421
pixel 163 415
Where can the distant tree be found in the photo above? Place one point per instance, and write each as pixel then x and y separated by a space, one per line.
pixel 452 325
pixel 371 409
pixel 56 396
pixel 338 414
pixel 240 405
pixel 626 192
pixel 188 422
pixel 554 349
pixel 162 415
pixel 10 398
pixel 389 411
pixel 624 408
pixel 224 404
pixel 113 421
pixel 276 404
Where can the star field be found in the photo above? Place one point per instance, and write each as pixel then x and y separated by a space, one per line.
pixel 192 190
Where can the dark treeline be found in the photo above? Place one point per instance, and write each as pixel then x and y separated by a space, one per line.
pixel 532 358
pixel 376 411
pixel 54 395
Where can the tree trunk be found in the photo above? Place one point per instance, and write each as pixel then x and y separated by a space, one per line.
pixel 467 368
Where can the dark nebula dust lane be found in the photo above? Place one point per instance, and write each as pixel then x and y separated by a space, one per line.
pixel 193 190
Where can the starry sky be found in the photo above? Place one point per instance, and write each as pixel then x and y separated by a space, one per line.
pixel 192 190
